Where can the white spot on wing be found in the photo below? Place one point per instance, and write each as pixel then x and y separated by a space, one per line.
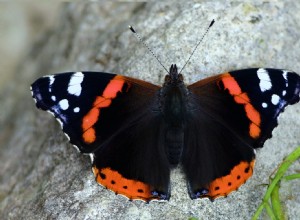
pixel 283 92
pixel 285 72
pixel 265 81
pixel 31 91
pixel 275 99
pixel 77 109
pixel 51 78
pixel 32 95
pixel 264 105
pixel 64 104
pixel 53 98
pixel 74 87
pixel 92 157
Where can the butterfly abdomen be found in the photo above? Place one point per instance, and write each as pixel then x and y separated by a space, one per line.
pixel 174 145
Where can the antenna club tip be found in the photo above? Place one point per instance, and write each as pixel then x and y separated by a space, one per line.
pixel 131 28
pixel 212 22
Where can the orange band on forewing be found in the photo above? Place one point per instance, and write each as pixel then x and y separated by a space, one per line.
pixel 252 114
pixel 254 130
pixel 242 98
pixel 114 86
pixel 226 184
pixel 229 82
pixel 89 136
pixel 90 118
pixel 101 102
pixel 110 92
pixel 114 181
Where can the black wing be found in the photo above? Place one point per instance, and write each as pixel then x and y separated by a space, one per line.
pixel 112 118
pixel 230 115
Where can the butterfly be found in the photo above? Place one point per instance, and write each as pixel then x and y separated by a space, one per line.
pixel 136 132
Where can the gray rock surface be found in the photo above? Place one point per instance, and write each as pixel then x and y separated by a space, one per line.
pixel 43 177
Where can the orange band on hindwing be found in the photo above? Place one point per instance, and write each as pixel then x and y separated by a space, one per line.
pixel 242 98
pixel 238 175
pixel 114 181
pixel 110 92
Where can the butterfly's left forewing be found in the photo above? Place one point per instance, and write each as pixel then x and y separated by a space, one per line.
pixel 112 118
pixel 91 106
pixel 229 116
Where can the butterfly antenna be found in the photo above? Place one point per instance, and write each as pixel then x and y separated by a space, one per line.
pixel 141 40
pixel 211 24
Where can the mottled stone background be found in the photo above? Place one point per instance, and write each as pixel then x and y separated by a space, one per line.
pixel 43 177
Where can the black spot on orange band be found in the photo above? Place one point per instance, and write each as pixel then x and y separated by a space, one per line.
pixel 114 181
pixel 224 185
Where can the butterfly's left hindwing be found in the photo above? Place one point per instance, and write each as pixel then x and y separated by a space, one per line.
pixel 229 116
pixel 113 118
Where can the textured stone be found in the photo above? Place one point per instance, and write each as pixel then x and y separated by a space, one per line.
pixel 43 176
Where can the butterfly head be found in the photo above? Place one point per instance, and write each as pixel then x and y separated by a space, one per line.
pixel 173 78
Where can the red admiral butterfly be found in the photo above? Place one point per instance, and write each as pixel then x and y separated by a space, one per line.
pixel 135 132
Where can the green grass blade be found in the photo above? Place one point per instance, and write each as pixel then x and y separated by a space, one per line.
pixel 290 159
